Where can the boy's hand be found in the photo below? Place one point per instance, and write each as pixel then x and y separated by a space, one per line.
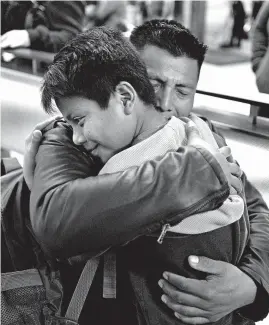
pixel 32 144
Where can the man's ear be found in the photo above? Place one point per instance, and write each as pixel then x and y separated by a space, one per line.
pixel 127 95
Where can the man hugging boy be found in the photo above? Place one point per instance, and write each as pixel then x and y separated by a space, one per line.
pixel 121 126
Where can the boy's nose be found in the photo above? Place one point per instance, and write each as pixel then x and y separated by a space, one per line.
pixel 78 139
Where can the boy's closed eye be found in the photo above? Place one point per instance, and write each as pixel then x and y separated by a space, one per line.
pixel 79 120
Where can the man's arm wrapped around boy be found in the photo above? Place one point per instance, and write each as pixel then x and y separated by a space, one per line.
pixel 73 211
pixel 255 259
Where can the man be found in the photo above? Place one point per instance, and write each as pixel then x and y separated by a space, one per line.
pixel 174 77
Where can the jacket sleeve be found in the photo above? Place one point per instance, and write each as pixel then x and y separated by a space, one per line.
pixel 73 211
pixel 260 37
pixel 255 259
pixel 65 21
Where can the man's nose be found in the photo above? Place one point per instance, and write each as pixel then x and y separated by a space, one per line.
pixel 78 138
pixel 164 99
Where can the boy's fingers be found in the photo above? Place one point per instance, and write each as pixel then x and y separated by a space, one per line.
pixel 33 137
pixel 35 142
pixel 40 126
pixel 32 144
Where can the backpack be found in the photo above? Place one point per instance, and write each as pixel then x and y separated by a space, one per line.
pixel 31 291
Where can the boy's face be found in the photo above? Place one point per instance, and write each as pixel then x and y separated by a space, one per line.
pixel 103 132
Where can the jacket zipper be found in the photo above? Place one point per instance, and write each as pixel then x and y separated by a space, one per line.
pixel 167 226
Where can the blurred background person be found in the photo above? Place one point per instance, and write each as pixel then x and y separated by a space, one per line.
pixel 40 25
pixel 260 52
pixel 238 16
pixel 157 9
pixel 256 6
pixel 112 14
pixel 260 49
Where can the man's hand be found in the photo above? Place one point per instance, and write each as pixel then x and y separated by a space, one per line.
pixel 225 289
pixel 230 168
pixel 223 155
pixel 15 38
pixel 32 144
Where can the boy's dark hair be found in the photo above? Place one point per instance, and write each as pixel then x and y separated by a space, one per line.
pixel 170 36
pixel 91 65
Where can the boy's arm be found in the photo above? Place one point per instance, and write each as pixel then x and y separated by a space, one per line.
pixel 73 211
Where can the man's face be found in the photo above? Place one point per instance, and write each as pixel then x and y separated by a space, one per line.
pixel 174 80
pixel 103 132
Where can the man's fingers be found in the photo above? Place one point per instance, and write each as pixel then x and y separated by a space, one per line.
pixel 179 297
pixel 233 191
pixel 192 320
pixel 207 265
pixel 190 286
pixel 236 184
pixel 225 151
pixel 182 309
pixel 192 131
pixel 235 169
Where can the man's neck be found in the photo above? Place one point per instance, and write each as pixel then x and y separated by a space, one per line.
pixel 151 121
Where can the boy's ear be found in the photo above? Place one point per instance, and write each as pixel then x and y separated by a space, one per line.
pixel 127 96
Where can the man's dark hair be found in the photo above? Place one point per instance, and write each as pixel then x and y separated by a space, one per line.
pixel 91 65
pixel 170 36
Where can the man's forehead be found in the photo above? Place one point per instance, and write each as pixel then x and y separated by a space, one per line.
pixel 183 79
pixel 161 64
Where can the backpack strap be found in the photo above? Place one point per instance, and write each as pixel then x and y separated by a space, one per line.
pixel 20 279
pixel 109 280
pixel 81 291
pixel 85 281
